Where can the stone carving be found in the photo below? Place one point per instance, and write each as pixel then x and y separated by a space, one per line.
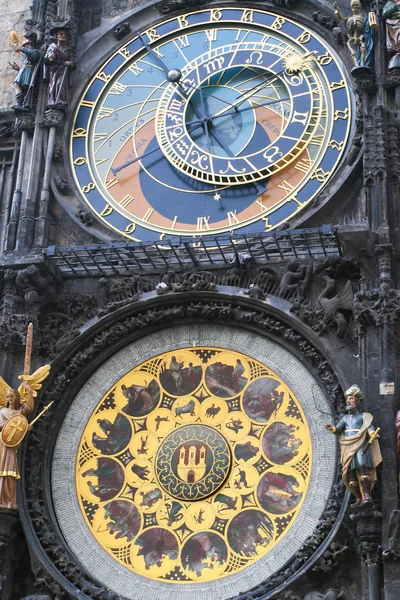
pixel 27 72
pixel 295 280
pixel 391 12
pixel 122 30
pixel 284 3
pixel 173 5
pixel 335 304
pixel 360 28
pixel 24 122
pixel 338 267
pixel 36 597
pixel 138 320
pixel 120 292
pixel 54 118
pixel 62 185
pixel 85 217
pixel 59 65
pixel 327 21
pixel 331 558
pixel 330 594
pixel 186 282
pixel 376 307
pixel 360 452
pixel 37 285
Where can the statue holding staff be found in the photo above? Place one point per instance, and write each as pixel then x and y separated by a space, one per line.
pixel 59 65
pixel 359 448
pixel 17 406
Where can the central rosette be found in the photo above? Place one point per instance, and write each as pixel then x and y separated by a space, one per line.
pixel 193 462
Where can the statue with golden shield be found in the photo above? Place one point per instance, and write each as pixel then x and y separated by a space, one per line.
pixel 16 406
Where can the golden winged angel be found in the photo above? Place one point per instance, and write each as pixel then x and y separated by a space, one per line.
pixel 16 405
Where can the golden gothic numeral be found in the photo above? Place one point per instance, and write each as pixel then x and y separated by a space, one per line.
pixel 183 22
pixel 341 114
pixel 103 77
pixel 80 161
pixel 278 23
pixel 130 228
pixel 216 14
pixel 80 132
pixel 321 175
pixel 304 38
pixel 107 210
pixel 337 85
pixel 336 145
pixel 89 187
pixel 248 16
pixel 87 103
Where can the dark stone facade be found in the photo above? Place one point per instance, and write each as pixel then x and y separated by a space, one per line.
pixel 338 314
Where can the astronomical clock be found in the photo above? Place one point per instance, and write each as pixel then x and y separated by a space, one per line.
pixel 187 457
pixel 221 120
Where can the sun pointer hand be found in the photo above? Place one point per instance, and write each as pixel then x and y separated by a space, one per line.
pixel 303 59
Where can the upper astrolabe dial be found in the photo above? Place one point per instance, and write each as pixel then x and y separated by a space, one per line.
pixel 208 130
pixel 225 120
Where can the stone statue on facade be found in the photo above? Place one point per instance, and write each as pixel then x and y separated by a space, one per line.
pixel 59 65
pixel 26 72
pixel 360 452
pixel 16 406
pixel 391 12
pixel 361 32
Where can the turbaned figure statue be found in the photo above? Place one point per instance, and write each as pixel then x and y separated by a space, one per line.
pixel 359 446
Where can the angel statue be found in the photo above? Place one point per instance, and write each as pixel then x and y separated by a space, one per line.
pixel 16 405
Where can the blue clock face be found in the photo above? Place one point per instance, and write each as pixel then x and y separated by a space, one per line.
pixel 222 120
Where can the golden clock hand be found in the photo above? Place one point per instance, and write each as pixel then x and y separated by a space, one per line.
pixel 226 114
pixel 116 170
pixel 156 57
pixel 195 87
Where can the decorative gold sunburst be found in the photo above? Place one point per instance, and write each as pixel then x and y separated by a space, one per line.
pixel 297 62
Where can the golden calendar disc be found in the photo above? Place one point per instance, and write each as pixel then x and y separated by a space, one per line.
pixel 196 463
